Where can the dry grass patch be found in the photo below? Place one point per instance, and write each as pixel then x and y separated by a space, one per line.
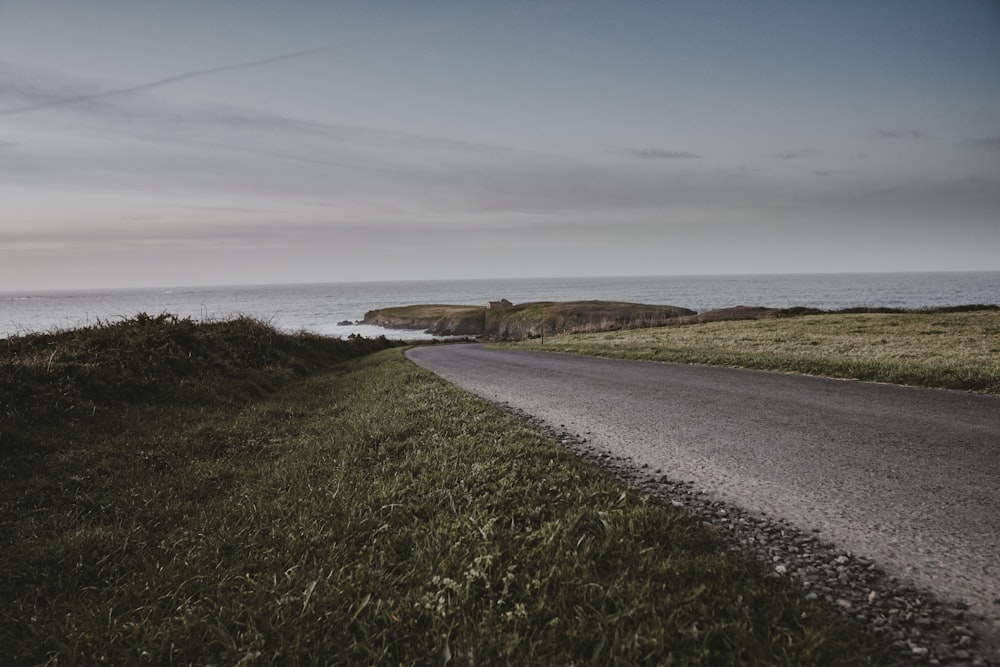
pixel 953 350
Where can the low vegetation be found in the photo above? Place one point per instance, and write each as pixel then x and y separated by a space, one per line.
pixel 956 350
pixel 224 494
pixel 525 320
pixel 72 381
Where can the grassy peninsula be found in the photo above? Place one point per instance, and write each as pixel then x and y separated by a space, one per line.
pixel 507 321
pixel 178 493
pixel 952 348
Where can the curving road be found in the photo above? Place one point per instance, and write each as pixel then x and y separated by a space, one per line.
pixel 906 476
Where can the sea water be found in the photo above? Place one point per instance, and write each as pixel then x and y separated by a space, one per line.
pixel 321 308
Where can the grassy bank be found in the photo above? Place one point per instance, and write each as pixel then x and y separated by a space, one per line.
pixel 63 386
pixel 957 350
pixel 307 510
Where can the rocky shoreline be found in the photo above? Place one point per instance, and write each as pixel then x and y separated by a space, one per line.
pixel 921 628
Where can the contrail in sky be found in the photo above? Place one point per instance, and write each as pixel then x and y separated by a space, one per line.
pixel 455 22
pixel 77 99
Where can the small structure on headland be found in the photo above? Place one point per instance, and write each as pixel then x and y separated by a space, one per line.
pixel 502 303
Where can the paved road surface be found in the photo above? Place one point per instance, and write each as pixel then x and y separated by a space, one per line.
pixel 906 476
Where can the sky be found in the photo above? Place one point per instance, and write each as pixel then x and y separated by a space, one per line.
pixel 148 143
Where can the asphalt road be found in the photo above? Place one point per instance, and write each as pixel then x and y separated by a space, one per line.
pixel 908 477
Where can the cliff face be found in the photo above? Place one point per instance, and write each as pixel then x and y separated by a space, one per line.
pixel 525 320
pixel 439 320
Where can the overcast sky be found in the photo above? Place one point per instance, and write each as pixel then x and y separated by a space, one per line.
pixel 200 142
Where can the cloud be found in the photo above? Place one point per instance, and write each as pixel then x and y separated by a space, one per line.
pixel 659 154
pixel 987 142
pixel 798 154
pixel 22 86
pixel 246 168
pixel 73 97
pixel 259 124
pixel 246 130
pixel 66 100
pixel 163 151
pixel 153 232
pixel 901 133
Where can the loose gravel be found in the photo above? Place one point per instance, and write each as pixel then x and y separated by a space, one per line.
pixel 921 628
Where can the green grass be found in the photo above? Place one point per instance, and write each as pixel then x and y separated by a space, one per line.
pixel 363 512
pixel 956 350
pixel 60 385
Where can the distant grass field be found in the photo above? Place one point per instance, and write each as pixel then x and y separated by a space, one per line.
pixel 956 350
pixel 182 495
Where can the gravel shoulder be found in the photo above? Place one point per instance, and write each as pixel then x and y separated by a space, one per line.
pixel 879 498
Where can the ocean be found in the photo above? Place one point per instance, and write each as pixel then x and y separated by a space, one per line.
pixel 319 308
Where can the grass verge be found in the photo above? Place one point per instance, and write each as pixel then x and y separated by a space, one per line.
pixel 955 350
pixel 366 513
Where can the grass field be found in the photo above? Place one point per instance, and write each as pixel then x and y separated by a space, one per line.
pixel 957 350
pixel 179 495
